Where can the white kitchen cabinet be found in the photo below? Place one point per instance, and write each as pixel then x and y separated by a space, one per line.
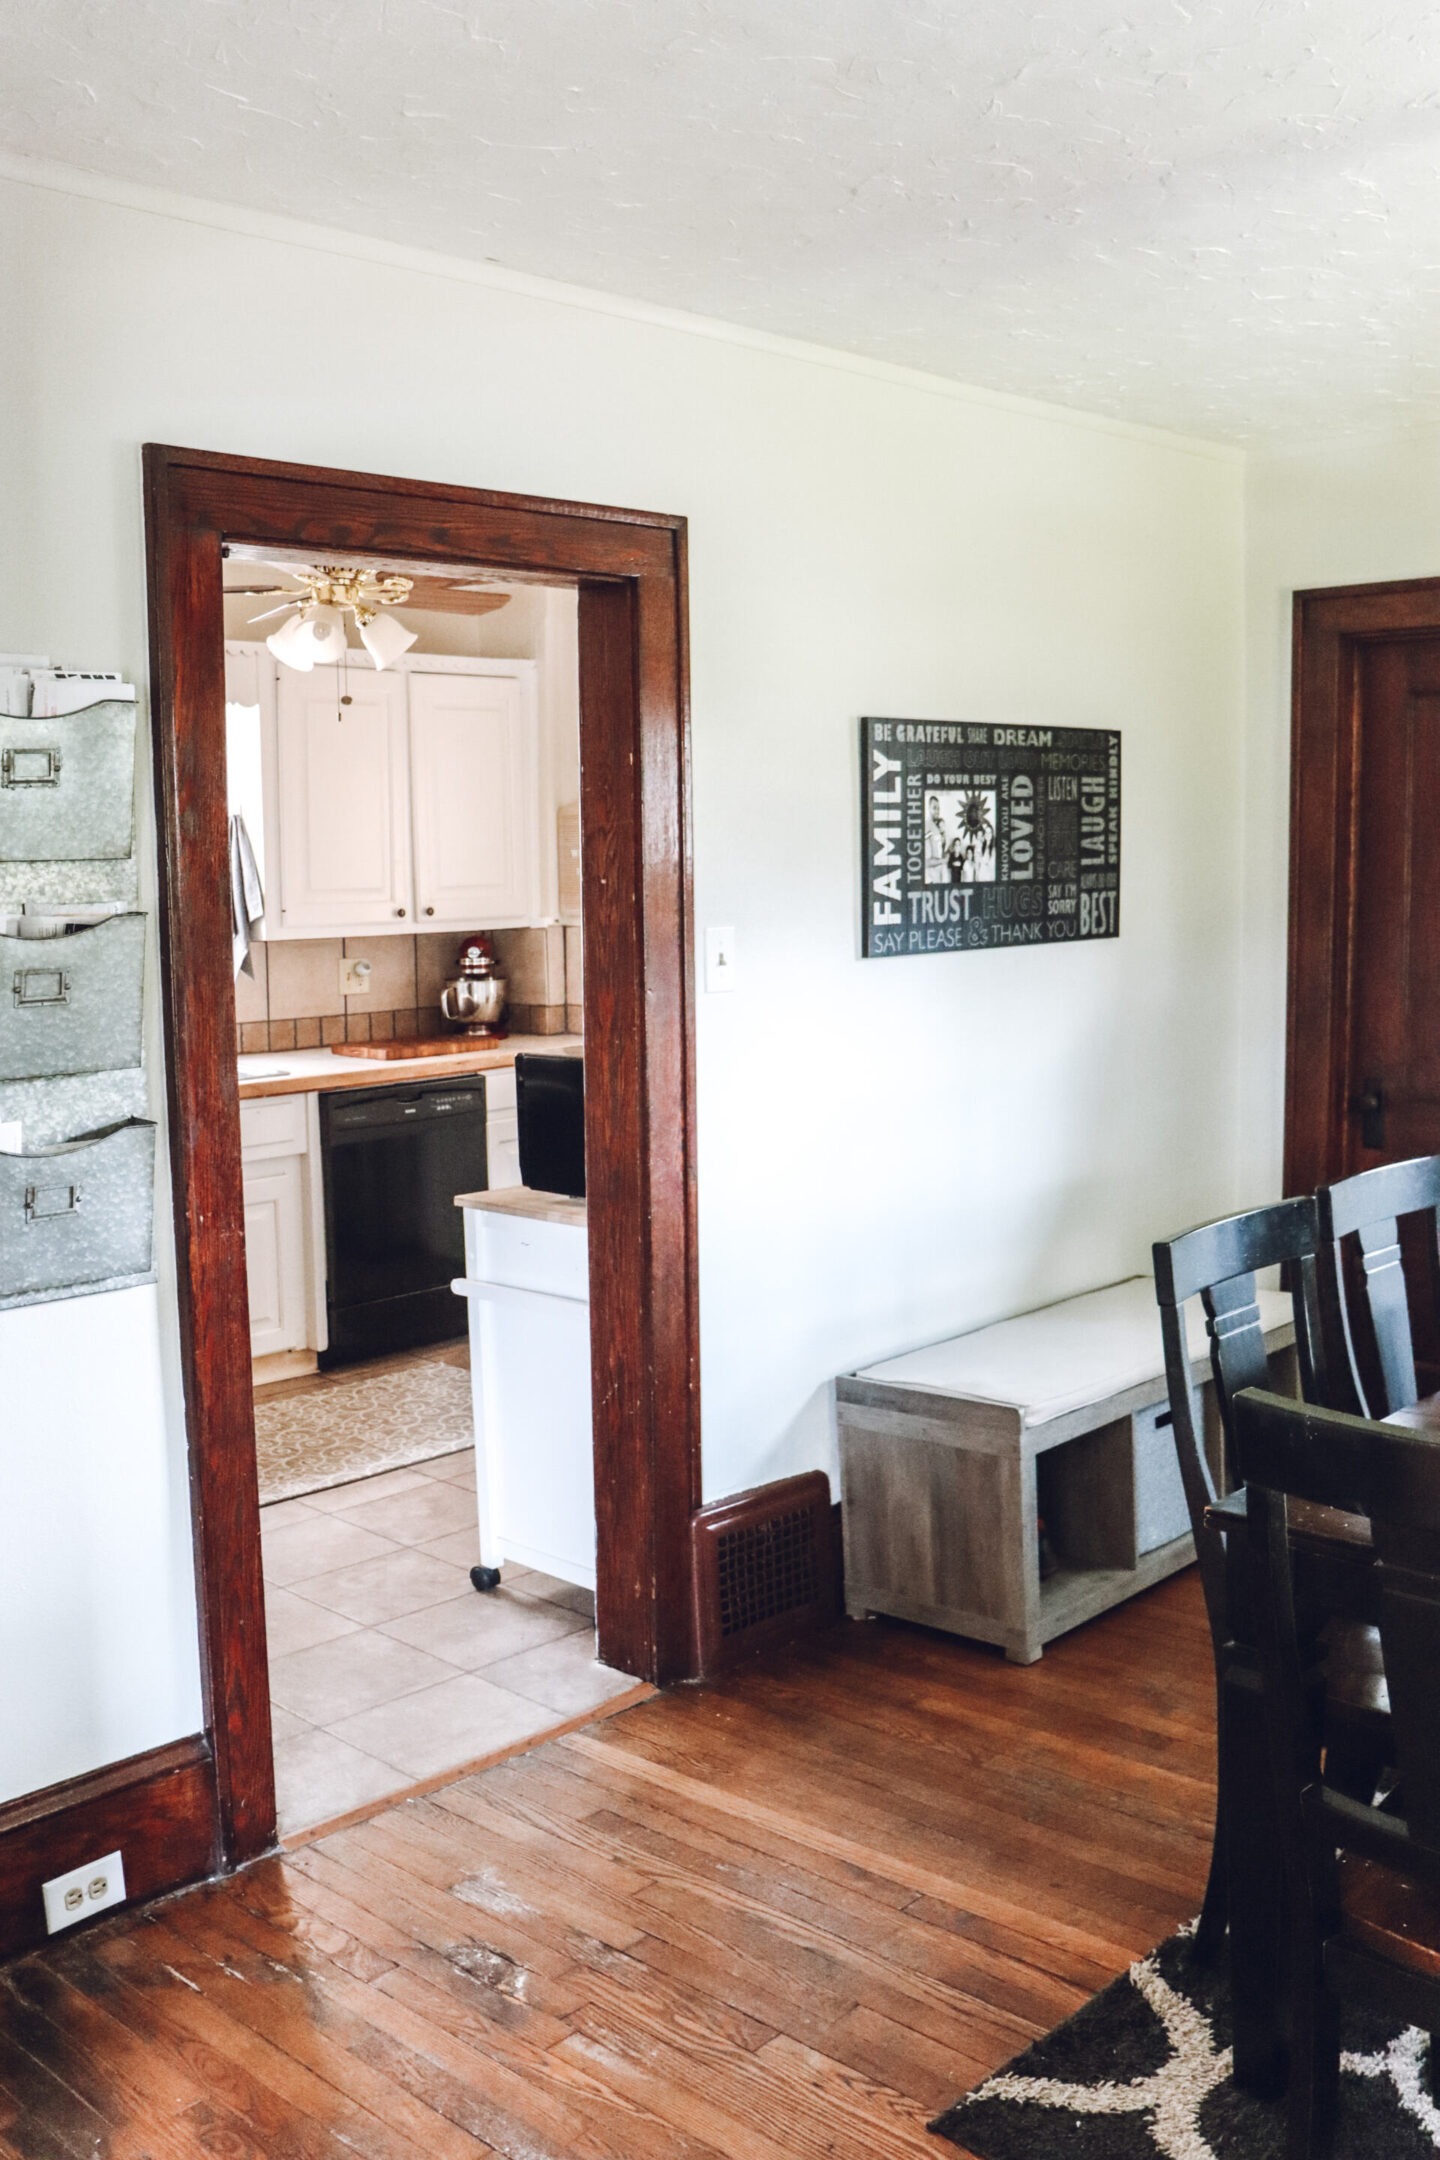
pixel 474 765
pixel 275 1154
pixel 275 1255
pixel 343 802
pixel 502 1131
pixel 417 806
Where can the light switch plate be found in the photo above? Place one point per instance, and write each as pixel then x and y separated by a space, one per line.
pixel 720 957
pixel 85 1890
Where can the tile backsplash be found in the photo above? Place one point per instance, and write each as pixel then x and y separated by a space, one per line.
pixel 294 1000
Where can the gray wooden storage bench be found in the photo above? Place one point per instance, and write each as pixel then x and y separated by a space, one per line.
pixel 951 1456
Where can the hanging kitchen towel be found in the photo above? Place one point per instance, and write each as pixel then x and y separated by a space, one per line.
pixel 247 895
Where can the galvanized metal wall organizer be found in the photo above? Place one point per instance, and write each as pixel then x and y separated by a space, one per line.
pixel 76 1205
pixel 78 1217
pixel 67 785
pixel 72 1004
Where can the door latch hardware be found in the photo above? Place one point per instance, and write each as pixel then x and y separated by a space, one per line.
pixel 1369 1105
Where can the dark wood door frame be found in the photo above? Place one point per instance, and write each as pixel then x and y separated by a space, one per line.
pixel 639 994
pixel 1331 629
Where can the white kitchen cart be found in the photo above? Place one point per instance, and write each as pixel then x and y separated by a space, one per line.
pixel 527 1282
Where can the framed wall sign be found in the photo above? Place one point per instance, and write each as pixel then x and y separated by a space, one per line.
pixel 977 836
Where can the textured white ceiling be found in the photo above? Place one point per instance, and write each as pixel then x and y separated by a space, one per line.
pixel 1220 216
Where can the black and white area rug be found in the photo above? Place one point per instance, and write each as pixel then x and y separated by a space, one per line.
pixel 1142 2072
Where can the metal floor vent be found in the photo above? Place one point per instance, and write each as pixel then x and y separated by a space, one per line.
pixel 764 1567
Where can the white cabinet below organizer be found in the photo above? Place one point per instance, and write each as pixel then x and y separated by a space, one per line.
pixel 401 799
pixel 276 1155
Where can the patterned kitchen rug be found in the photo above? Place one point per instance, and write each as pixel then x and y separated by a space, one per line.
pixel 346 1429
pixel 1142 2072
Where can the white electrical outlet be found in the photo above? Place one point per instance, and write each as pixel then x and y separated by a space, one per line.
pixel 355 978
pixel 85 1890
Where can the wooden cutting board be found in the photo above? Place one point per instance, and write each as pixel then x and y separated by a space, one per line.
pixel 425 1047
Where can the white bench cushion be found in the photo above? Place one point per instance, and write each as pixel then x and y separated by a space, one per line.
pixel 1062 1357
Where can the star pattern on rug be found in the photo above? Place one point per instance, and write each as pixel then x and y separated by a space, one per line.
pixel 1170 2099
pixel 1171 2096
pixel 1403 2062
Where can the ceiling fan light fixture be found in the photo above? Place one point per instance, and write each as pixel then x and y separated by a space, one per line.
pixel 384 638
pixel 327 633
pixel 315 633
pixel 293 644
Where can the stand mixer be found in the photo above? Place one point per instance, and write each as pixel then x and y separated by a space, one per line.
pixel 474 1000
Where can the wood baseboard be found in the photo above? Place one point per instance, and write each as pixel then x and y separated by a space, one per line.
pixel 157 1809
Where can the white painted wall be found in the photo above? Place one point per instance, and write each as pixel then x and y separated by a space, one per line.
pixel 1358 510
pixel 890 1151
pixel 97 1629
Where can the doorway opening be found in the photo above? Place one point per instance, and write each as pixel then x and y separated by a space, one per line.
pixel 1363 1050
pixel 407 908
pixel 613 584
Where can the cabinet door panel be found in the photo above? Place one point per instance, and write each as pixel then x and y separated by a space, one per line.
pixel 275 1255
pixel 475 774
pixel 502 1150
pixel 344 801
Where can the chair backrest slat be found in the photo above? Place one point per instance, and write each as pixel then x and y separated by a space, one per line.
pixel 1368 1207
pixel 1238 1356
pixel 1389 1310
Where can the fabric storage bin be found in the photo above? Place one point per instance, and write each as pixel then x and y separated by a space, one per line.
pixel 72 1004
pixel 78 1215
pixel 1161 1510
pixel 67 785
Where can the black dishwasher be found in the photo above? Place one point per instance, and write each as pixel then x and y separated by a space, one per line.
pixel 394 1159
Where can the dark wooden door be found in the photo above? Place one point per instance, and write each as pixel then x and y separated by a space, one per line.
pixel 1363 1084
pixel 1392 1057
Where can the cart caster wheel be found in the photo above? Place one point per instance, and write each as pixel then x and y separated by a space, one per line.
pixel 485 1578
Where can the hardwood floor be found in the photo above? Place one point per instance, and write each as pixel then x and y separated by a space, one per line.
pixel 789 1914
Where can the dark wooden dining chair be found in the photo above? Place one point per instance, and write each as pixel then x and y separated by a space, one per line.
pixel 1364 1880
pixel 1368 1208
pixel 1218 1262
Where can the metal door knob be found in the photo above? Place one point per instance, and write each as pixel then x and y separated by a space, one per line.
pixel 1370 1106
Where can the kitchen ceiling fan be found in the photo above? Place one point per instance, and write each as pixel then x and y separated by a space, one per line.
pixel 315 632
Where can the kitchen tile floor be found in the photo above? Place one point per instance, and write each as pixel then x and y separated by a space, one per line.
pixel 385 1665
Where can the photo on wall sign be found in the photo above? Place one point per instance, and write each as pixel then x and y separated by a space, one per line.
pixel 977 836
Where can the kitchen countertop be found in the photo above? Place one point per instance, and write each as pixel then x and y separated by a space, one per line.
pixel 535 1206
pixel 308 1072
